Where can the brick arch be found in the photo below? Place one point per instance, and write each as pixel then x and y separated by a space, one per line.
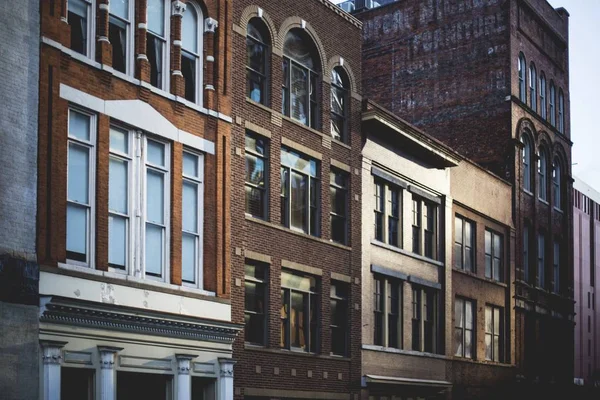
pixel 296 22
pixel 336 61
pixel 526 127
pixel 253 12
pixel 543 140
pixel 559 152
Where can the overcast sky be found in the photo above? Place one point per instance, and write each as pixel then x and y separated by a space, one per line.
pixel 584 58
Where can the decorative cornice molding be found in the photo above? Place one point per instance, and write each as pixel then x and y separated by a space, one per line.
pixel 210 25
pixel 178 8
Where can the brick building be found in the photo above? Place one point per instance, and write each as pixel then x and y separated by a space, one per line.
pixel 295 202
pixel 133 228
pixel 490 79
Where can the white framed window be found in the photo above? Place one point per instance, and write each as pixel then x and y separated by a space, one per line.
pixel 81 16
pixel 192 219
pixel 494 337
pixel 157 49
pixel 388 206
pixel 191 51
pixel 464 327
pixel 121 34
pixel 81 164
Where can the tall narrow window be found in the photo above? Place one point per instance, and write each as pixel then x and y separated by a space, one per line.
pixel 157 196
pixel 338 298
pixel 424 227
pixel 299 192
pixel 387 213
pixel 526 254
pixel 394 323
pixel 463 328
pixel 556 269
pixel 561 111
pixel 300 86
pixel 378 297
pixel 542 175
pixel 532 87
pixel 393 213
pixel 191 50
pixel 80 190
pixel 156 39
pixel 464 237
pixel 493 334
pixel 416 226
pixel 257 56
pixel 119 33
pixel 541 265
pixel 522 70
pixel 424 320
pixel 556 184
pixel 119 217
pixel 429 218
pixel 416 319
pixel 379 210
pixel 299 313
pixel 79 17
pixel 191 239
pixel 552 104
pixel 256 175
pixel 526 163
pixel 339 105
pixel 255 285
pixel 543 99
pixel 338 198
pixel 493 256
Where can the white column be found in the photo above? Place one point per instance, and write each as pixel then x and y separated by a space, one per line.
pixel 51 358
pixel 108 389
pixel 225 391
pixel 184 380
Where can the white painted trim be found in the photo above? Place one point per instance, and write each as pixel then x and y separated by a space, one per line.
pixel 138 114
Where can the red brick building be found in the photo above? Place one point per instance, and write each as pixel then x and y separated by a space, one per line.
pixel 295 202
pixel 133 200
pixel 490 79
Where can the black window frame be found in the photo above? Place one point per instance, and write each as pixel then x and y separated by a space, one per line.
pixel 264 285
pixel 264 76
pixel 494 254
pixel 461 247
pixel 338 187
pixel 461 326
pixel 263 191
pixel 342 87
pixel 310 323
pixel 339 295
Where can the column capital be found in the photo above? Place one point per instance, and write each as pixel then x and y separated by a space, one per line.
pixel 178 8
pixel 210 25
pixel 51 351
pixel 184 363
pixel 226 367
pixel 107 356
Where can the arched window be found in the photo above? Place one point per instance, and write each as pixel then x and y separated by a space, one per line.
pixel 526 163
pixel 156 42
pixel 556 183
pixel 191 50
pixel 543 100
pixel 339 104
pixel 561 111
pixel 532 86
pixel 552 104
pixel 542 175
pixel 257 56
pixel 300 86
pixel 522 78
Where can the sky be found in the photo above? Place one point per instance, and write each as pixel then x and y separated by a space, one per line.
pixel 584 74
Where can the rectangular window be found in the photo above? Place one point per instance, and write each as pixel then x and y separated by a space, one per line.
pixel 192 223
pixel 494 254
pixel 424 227
pixel 589 324
pixel 119 32
pixel 256 175
pixel 556 269
pixel 379 283
pixel 338 198
pixel 156 49
pixel 338 297
pixel 79 17
pixel 541 266
pixel 416 226
pixel 80 187
pixel 394 307
pixel 463 328
pixel 464 238
pixel 379 210
pixel 493 334
pixel 299 311
pixel 300 93
pixel 76 383
pixel 119 198
pixel 424 320
pixel 300 200
pixel 388 208
pixel 526 254
pixel 255 284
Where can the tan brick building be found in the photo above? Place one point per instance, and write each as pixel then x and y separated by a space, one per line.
pixel 133 221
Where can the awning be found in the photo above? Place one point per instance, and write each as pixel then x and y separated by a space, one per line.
pixel 392 383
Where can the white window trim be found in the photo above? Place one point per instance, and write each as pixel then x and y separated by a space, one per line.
pixel 130 38
pixel 199 55
pixel 91 27
pixel 199 181
pixel 91 234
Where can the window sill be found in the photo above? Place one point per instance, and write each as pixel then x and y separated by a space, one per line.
pixel 301 234
pixel 481 278
pixel 406 253
pixel 260 105
pixel 528 192
pixel 134 81
pixel 393 350
pixel 558 210
pixel 120 278
pixel 543 201
pixel 482 362
pixel 262 349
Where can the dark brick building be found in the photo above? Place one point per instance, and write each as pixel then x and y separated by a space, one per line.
pixel 490 79
pixel 295 202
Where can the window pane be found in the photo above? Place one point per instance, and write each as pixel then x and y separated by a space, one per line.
pixel 337 197
pixel 154 51
pixel 154 249
pixel 488 242
pixel 488 346
pixel 190 207
pixel 468 344
pixel 255 53
pixel 117 240
pixel 156 16
pixel 120 8
pixel 496 267
pixel 155 196
pixel 117 185
pixel 119 140
pixel 284 315
pixel 76 229
pixel 156 153
pixel 458 256
pixel 496 348
pixel 189 29
pixel 458 342
pixel 188 70
pixel 496 321
pixel 458 230
pixel 488 320
pixel 255 170
pixel 254 329
pixel 468 315
pixel 255 202
pixel 459 313
pixel 117 31
pixel 78 173
pixel 188 258
pixel 190 165
pixel 79 125
pixel 293 281
pixel 298 325
pixel 299 201
pixel 337 127
pixel 299 92
pixel 338 101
